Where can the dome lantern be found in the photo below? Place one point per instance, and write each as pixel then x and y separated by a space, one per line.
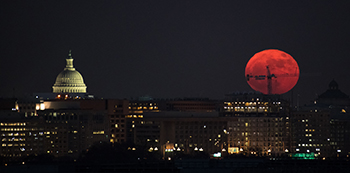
pixel 69 61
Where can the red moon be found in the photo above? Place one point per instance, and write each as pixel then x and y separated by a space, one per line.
pixel 272 71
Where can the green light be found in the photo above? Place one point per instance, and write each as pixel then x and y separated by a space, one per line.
pixel 304 156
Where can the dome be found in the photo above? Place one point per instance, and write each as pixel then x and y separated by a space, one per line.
pixel 333 91
pixel 333 85
pixel 69 80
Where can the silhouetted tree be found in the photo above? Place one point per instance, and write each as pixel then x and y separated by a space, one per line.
pixel 107 153
pixel 99 153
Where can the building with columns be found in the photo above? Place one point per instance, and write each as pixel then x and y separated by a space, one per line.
pixel 69 80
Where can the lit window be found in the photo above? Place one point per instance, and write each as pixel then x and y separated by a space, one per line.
pixel 98 132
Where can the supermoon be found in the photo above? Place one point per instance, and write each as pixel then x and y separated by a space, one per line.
pixel 272 71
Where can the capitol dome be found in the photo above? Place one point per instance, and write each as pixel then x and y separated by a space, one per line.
pixel 69 80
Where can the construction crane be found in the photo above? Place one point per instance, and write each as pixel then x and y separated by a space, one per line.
pixel 269 77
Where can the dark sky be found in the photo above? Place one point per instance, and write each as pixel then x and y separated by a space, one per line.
pixel 170 49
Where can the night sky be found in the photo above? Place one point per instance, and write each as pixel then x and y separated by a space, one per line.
pixel 170 49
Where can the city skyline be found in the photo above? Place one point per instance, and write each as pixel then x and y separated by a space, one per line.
pixel 170 49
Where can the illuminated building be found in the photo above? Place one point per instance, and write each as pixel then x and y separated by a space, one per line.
pixel 146 104
pixel 117 112
pixel 29 105
pixel 311 131
pixel 174 132
pixel 260 124
pixel 338 105
pixel 324 126
pixel 20 136
pixel 80 123
pixel 136 110
pixel 149 120
pixel 68 132
pixel 69 80
pixel 64 127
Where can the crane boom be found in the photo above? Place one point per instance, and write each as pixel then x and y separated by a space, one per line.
pixel 269 77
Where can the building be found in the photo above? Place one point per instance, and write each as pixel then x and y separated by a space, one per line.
pixel 191 105
pixel 174 132
pixel 323 127
pixel 20 135
pixel 61 127
pixel 260 124
pixel 69 80
pixel 138 107
pixel 136 110
pixel 333 96
pixel 63 123
pixel 118 110
pixel 311 131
